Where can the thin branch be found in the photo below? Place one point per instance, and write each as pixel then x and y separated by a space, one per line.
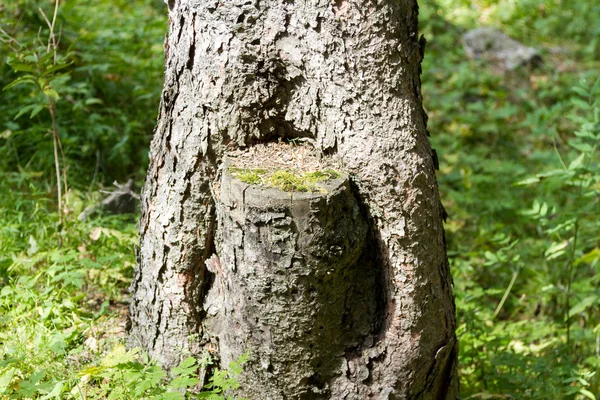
pixel 64 163
pixel 10 41
pixel 89 192
pixel 39 37
pixel 54 43
pixel 47 23
pixel 60 32
pixel 57 167
pixel 53 46
pixel 51 37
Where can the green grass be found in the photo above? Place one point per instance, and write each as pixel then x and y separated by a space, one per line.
pixel 55 302
pixel 62 309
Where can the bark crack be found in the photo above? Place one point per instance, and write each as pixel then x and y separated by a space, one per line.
pixel 192 49
pixel 441 366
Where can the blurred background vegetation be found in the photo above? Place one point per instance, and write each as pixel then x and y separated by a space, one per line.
pixel 519 177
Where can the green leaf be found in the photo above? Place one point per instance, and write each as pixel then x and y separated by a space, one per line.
pixel 36 110
pixel 587 394
pixel 576 163
pixel 141 387
pixel 185 364
pixel 118 355
pixel 25 79
pixel 47 58
pixel 583 147
pixel 556 250
pixel 528 181
pixel 183 382
pixel 589 258
pixel 583 105
pixel 30 386
pixel 5 379
pixel 51 93
pixel 583 305
pixel 21 67
pixel 42 82
pixel 544 209
pixel 490 256
pixel 24 110
pixel 30 57
pixel 171 396
pixel 586 132
pixel 56 68
pixel 596 86
pixel 92 101
pixel 55 393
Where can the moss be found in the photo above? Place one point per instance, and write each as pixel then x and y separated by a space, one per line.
pixel 251 176
pixel 320 176
pixel 286 180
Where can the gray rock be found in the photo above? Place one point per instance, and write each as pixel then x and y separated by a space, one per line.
pixel 120 201
pixel 507 53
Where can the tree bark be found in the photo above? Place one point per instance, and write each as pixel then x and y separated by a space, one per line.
pixel 345 75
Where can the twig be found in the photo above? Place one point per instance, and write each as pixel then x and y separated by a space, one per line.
pixel 95 174
pixel 39 38
pixel 57 167
pixel 52 45
pixel 64 162
pixel 9 41
pixel 506 293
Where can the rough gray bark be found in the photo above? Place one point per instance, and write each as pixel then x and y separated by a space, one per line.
pixel 289 285
pixel 345 74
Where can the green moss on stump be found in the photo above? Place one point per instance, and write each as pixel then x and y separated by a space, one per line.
pixel 286 180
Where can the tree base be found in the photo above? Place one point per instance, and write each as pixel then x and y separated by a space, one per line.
pixel 289 287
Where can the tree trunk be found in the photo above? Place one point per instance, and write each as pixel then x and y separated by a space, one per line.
pixel 339 294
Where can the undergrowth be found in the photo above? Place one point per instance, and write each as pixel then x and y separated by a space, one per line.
pixel 68 71
pixel 62 310
pixel 519 178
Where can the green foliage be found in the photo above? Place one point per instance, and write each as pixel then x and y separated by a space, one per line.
pixel 105 82
pixel 121 375
pixel 224 381
pixel 52 300
pixel 62 309
pixel 519 179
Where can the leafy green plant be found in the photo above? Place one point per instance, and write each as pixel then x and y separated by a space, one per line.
pixel 62 310
pixel 124 374
pixel 43 67
pixel 108 94
pixel 491 130
pixel 570 224
pixel 223 381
